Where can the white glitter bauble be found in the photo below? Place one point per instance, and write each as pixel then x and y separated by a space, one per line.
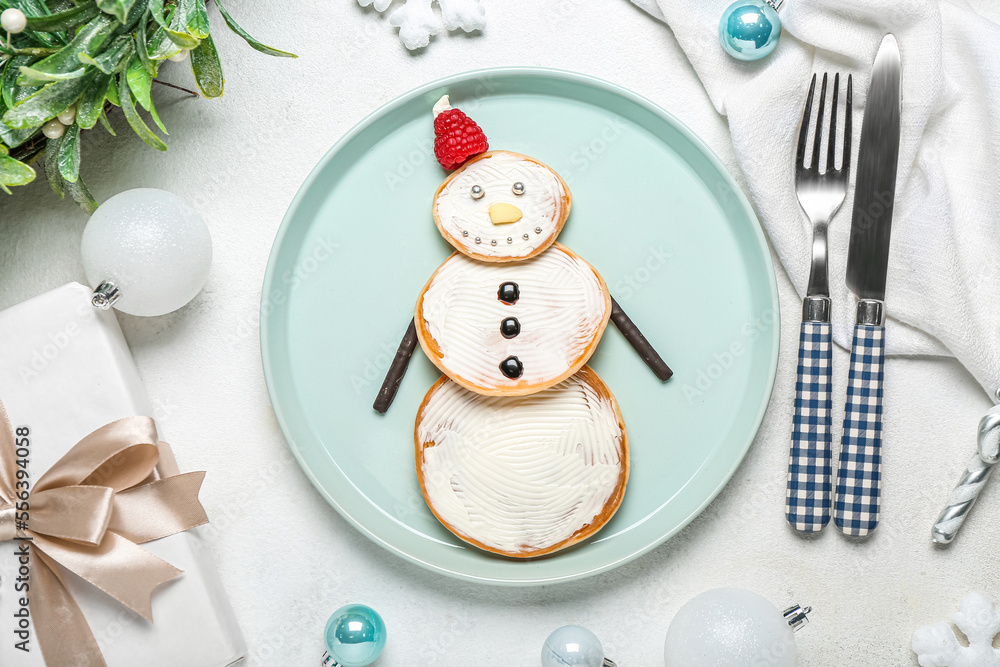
pixel 729 627
pixel 152 246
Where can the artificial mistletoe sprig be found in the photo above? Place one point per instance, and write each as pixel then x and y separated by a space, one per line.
pixel 77 59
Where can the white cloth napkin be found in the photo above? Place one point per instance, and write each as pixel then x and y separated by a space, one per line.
pixel 944 265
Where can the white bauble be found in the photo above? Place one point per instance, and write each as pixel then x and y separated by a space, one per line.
pixel 729 627
pixel 153 246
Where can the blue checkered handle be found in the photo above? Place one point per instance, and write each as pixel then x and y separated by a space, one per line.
pixel 809 491
pixel 859 482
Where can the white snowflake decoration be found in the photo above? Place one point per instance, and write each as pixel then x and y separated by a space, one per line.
pixel 937 646
pixel 417 21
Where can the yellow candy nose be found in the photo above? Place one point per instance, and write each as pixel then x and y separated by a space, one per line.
pixel 502 214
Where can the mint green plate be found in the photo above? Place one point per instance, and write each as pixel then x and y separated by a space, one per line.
pixel 653 210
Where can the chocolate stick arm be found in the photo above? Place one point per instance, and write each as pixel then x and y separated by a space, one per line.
pixel 639 342
pixel 396 370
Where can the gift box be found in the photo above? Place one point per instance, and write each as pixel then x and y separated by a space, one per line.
pixel 66 371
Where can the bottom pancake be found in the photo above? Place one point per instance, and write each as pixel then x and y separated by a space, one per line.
pixel 523 476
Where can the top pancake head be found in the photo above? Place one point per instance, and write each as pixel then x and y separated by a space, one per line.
pixel 516 212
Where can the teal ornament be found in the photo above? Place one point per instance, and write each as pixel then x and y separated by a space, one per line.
pixel 354 636
pixel 749 29
pixel 574 646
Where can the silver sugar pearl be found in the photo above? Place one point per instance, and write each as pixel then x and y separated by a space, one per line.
pixel 525 237
pixel 518 188
pixel 478 240
pixel 538 230
pixel 493 242
pixel 477 192
pixel 510 240
pixel 465 232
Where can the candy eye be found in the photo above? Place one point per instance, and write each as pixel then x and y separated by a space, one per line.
pixel 518 188
pixel 477 192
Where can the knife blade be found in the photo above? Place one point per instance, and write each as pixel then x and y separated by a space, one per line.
pixel 875 184
pixel 857 507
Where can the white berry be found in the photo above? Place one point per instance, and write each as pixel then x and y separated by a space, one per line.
pixel 13 20
pixel 67 117
pixel 180 56
pixel 53 129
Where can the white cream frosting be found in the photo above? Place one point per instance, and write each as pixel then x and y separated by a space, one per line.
pixel 524 473
pixel 465 218
pixel 561 309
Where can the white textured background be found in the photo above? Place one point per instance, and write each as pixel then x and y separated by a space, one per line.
pixel 288 559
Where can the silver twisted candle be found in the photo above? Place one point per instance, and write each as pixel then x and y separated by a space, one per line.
pixel 976 474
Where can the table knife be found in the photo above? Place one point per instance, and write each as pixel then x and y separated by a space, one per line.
pixel 859 482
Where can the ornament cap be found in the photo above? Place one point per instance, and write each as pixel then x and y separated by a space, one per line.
pixel 797 617
pixel 105 296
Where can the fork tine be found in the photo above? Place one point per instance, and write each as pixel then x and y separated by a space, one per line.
pixel 818 141
pixel 831 146
pixel 847 125
pixel 800 156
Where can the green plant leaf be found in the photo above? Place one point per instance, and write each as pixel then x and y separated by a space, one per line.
pixel 137 9
pixel 64 20
pixel 48 102
pixel 112 93
pixel 4 150
pixel 89 108
pixel 69 154
pixel 107 124
pixel 263 48
pixel 133 117
pixel 142 46
pixel 140 83
pixel 31 7
pixel 52 166
pixel 13 172
pixel 117 8
pixel 30 76
pixel 114 57
pixel 161 46
pixel 197 18
pixel 12 138
pixel 176 31
pixel 207 68
pixel 156 9
pixel 88 39
pixel 81 195
pixel 13 93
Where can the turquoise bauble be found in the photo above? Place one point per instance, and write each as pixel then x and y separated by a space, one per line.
pixel 749 29
pixel 355 636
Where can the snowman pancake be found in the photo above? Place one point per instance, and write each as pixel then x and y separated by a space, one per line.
pixel 502 207
pixel 523 476
pixel 521 449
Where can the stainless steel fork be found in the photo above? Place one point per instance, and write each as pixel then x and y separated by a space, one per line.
pixel 821 191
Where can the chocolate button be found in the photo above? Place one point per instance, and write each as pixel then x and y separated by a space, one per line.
pixel 512 367
pixel 510 327
pixel 508 293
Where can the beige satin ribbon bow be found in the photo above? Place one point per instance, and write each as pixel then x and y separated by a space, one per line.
pixel 88 513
